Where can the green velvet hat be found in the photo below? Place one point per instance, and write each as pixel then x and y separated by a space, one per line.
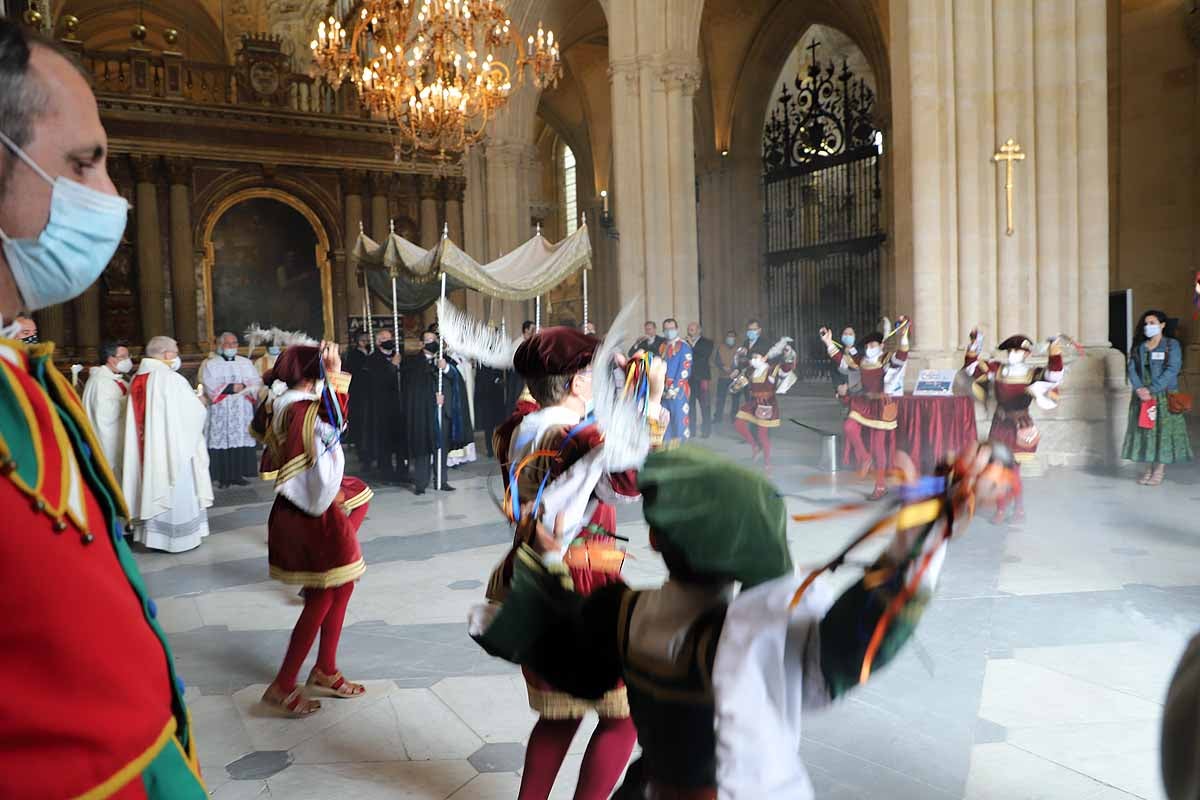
pixel 722 520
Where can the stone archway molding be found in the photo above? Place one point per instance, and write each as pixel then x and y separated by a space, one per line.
pixel 208 259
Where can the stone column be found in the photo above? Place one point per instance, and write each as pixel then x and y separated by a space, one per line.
pixel 380 183
pixel 353 187
pixel 183 274
pixel 151 289
pixel 431 231
pixel 52 326
pixel 87 323
pixel 653 82
pixel 964 82
pixel 455 187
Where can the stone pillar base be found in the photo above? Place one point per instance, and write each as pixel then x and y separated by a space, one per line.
pixel 1088 426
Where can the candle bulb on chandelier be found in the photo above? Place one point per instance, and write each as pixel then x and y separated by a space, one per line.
pixel 604 198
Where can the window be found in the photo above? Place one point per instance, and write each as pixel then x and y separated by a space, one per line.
pixel 570 200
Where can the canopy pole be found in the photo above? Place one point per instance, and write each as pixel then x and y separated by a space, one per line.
pixel 585 299
pixel 537 316
pixel 395 312
pixel 441 410
pixel 367 310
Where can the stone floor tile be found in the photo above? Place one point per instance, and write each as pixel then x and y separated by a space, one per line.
pixel 496 707
pixel 401 780
pixel 1004 772
pixel 1016 694
pixel 409 725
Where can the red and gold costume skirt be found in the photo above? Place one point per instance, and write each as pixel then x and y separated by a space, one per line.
pixel 318 552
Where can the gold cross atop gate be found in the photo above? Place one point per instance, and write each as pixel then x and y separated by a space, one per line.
pixel 1010 151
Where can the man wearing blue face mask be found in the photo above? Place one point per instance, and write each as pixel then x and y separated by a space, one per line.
pixel 113 722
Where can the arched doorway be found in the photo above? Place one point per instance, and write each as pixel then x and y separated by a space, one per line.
pixel 822 195
pixel 266 261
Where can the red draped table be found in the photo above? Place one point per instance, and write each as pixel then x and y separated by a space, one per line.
pixel 930 428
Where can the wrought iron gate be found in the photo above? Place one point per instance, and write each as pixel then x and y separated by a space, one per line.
pixel 821 198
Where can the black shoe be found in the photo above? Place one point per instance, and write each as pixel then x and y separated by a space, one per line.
pixel 445 487
pixel 418 492
pixel 241 482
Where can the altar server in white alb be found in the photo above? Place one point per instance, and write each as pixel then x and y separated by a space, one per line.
pixel 165 465
pixel 231 384
pixel 104 399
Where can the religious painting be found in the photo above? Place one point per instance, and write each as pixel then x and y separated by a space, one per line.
pixel 265 269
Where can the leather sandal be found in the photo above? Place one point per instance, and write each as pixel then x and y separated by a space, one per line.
pixel 1145 479
pixel 334 685
pixel 294 704
pixel 1156 478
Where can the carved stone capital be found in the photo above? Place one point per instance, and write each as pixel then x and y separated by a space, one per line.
pixel 380 183
pixel 146 169
pixel 680 75
pixel 179 171
pixel 625 70
pixel 354 181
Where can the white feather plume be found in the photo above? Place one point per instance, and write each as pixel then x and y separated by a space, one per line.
pixel 257 336
pixel 470 338
pixel 777 349
pixel 626 435
pixel 289 338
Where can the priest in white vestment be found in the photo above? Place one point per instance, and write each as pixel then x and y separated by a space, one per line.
pixel 165 465
pixel 231 384
pixel 104 401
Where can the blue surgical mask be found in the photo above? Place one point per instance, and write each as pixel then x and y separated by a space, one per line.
pixel 848 340
pixel 672 334
pixel 1152 330
pixel 76 245
pixel 752 335
pixel 274 350
pixel 229 352
pixel 729 340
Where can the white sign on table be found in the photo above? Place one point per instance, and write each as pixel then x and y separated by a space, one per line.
pixel 935 383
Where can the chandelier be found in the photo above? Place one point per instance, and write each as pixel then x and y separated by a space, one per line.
pixel 434 68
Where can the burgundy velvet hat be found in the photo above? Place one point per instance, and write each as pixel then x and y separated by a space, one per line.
pixel 554 351
pixel 1017 343
pixel 300 362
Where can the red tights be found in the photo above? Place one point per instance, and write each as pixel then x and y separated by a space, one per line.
pixel 606 756
pixel 862 456
pixel 324 611
pixel 1013 495
pixel 764 438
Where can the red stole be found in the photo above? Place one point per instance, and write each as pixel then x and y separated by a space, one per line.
pixel 137 396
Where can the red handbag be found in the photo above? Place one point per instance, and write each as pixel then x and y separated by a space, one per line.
pixel 1148 414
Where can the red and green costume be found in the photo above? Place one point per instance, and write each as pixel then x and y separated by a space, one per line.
pixel 96 710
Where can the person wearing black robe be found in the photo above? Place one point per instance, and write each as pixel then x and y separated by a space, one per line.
pixel 352 364
pixel 491 406
pixel 427 418
pixel 381 447
pixel 701 379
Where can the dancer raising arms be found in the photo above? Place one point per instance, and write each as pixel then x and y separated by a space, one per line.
pixel 313 527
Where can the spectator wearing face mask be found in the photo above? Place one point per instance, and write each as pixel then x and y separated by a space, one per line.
pixel 848 380
pixel 100 711
pixel 725 359
pixel 1158 436
pixel 164 471
pixel 231 384
pixel 677 396
pixel 430 421
pixel 104 398
pixel 381 432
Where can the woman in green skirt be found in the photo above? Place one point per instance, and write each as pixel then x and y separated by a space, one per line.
pixel 1159 438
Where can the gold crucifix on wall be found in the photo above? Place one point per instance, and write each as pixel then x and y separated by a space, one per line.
pixel 1010 151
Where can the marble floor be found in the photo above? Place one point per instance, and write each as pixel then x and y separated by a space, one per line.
pixel 1038 671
